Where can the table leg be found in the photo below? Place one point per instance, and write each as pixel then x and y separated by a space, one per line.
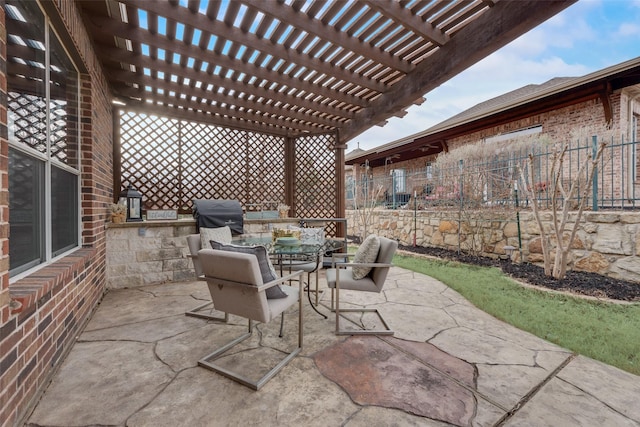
pixel 309 298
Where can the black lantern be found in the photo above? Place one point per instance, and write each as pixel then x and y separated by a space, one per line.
pixel 132 199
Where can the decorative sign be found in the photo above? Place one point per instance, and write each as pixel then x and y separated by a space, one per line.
pixel 162 214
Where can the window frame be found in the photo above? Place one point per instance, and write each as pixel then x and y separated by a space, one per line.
pixel 530 130
pixel 46 235
pixel 399 180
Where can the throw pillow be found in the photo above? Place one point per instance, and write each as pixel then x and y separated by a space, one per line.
pixel 366 253
pixel 266 268
pixel 220 234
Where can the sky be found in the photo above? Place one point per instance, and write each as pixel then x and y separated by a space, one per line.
pixel 587 36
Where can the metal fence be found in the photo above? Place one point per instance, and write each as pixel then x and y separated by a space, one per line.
pixel 497 181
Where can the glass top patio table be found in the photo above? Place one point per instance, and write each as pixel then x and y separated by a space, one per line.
pixel 303 249
pixel 291 255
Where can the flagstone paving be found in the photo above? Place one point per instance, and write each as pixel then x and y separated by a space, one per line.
pixel 449 364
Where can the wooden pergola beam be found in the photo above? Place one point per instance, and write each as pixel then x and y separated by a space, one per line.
pixel 140 62
pixel 190 92
pixel 477 40
pixel 210 26
pixel 327 32
pixel 278 121
pixel 395 11
pixel 215 58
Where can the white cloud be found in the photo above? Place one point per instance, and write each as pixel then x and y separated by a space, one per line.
pixel 569 28
pixel 628 29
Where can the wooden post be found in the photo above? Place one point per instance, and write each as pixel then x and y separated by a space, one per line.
pixel 290 174
pixel 341 229
pixel 117 155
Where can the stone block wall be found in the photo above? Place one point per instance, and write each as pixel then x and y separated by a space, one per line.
pixel 144 253
pixel 149 252
pixel 606 243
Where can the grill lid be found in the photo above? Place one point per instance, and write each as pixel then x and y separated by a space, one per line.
pixel 218 213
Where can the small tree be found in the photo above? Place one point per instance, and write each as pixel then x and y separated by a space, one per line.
pixel 365 198
pixel 561 200
pixel 481 179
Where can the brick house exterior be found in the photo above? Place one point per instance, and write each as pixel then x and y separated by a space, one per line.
pixel 41 314
pixel 558 107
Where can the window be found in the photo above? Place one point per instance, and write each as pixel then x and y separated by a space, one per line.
pixel 350 187
pixel 515 134
pixel 429 170
pixel 42 99
pixel 428 187
pixel 634 139
pixel 399 180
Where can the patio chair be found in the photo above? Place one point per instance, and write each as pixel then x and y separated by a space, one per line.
pixel 345 276
pixel 236 287
pixel 194 242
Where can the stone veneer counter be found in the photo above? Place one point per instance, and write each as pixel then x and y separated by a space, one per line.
pixel 149 252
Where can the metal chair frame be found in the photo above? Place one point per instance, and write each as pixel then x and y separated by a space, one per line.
pixel 209 360
pixel 335 296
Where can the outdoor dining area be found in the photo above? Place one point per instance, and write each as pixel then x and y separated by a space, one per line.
pixel 253 101
pixel 139 362
pixel 290 327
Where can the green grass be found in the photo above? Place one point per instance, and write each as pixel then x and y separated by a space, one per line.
pixel 607 332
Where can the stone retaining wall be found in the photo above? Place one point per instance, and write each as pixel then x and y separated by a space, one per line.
pixel 607 243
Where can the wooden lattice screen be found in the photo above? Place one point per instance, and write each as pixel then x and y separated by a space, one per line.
pixel 315 178
pixel 171 162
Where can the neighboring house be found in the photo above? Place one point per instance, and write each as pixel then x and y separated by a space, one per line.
pixel 556 108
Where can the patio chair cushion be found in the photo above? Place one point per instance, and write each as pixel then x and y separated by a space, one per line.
pixel 266 268
pixel 366 253
pixel 219 234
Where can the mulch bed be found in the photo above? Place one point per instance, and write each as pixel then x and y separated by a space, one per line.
pixel 578 282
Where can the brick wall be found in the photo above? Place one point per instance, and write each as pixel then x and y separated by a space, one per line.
pixel 4 180
pixel 558 124
pixel 41 314
pixel 566 124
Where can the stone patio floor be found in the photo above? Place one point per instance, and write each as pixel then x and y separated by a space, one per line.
pixel 135 364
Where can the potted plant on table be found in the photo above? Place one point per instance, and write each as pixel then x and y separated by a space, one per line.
pixel 118 212
pixel 283 210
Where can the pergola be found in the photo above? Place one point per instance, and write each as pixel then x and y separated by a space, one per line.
pixel 283 85
pixel 250 100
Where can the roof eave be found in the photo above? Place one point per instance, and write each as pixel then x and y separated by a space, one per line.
pixel 524 100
